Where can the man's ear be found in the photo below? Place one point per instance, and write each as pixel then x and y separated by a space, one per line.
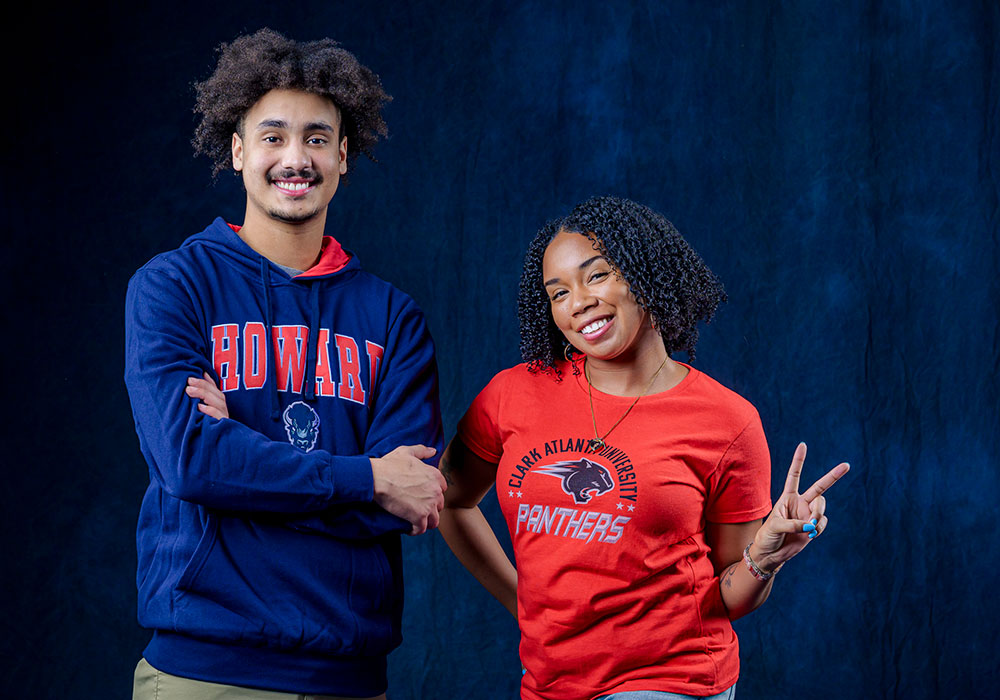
pixel 237 147
pixel 343 156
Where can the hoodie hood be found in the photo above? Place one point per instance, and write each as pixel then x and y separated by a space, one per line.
pixel 224 240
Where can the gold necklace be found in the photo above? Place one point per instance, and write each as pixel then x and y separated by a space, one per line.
pixel 597 444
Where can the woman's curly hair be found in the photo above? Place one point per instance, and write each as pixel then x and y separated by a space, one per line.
pixel 667 277
pixel 254 64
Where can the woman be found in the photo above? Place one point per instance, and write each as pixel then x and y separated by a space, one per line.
pixel 633 485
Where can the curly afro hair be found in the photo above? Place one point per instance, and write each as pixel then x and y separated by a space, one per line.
pixel 254 64
pixel 667 277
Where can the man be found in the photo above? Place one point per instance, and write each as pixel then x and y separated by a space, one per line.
pixel 269 552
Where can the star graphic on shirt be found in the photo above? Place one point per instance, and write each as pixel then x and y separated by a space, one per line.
pixel 510 493
pixel 619 506
pixel 631 507
pixel 518 494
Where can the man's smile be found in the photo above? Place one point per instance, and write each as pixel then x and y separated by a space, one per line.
pixel 294 187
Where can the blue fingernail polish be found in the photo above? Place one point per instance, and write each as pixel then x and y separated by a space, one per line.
pixel 813 534
pixel 808 527
pixel 813 521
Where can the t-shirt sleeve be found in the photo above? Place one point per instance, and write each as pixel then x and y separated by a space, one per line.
pixel 740 487
pixel 479 428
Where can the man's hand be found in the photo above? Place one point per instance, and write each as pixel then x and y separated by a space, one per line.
pixel 213 401
pixel 408 488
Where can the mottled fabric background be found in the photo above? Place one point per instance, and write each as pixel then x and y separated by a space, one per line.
pixel 835 163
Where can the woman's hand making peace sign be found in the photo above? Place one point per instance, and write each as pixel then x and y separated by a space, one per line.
pixel 796 518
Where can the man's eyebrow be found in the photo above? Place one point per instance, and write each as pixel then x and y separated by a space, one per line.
pixel 282 124
pixel 584 264
pixel 272 124
pixel 319 126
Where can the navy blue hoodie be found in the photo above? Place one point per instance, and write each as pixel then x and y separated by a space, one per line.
pixel 263 560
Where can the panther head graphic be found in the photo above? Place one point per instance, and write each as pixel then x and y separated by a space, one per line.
pixel 581 479
pixel 302 425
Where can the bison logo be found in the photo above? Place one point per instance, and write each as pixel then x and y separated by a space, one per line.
pixel 582 479
pixel 302 425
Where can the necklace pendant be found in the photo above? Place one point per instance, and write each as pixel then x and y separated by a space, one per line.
pixel 595 445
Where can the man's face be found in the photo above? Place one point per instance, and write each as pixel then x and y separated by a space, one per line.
pixel 290 156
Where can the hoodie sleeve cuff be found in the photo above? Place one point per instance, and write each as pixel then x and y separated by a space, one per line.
pixel 351 479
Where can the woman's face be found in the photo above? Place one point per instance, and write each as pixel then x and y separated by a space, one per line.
pixel 591 304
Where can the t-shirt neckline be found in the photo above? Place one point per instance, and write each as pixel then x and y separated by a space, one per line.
pixel 581 382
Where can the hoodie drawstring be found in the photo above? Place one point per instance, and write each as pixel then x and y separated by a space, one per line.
pixel 265 277
pixel 309 387
pixel 309 390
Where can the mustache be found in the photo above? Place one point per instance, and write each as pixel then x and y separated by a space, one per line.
pixel 305 174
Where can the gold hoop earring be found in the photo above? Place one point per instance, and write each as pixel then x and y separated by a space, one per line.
pixel 568 351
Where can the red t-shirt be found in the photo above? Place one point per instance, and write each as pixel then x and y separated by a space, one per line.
pixel 615 589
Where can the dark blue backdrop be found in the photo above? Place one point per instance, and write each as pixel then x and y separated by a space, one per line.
pixel 835 163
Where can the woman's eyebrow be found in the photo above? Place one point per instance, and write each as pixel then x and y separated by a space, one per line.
pixel 584 264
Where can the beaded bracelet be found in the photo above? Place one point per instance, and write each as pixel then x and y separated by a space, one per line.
pixel 757 572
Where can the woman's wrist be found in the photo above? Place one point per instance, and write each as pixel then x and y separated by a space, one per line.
pixel 759 562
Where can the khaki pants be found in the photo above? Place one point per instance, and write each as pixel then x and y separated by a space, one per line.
pixel 151 684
